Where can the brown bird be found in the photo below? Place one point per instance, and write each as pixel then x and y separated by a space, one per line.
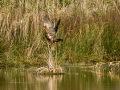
pixel 51 31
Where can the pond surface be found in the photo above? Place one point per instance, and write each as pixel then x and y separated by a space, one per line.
pixel 74 79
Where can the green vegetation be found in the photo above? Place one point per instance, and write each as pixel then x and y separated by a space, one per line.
pixel 90 30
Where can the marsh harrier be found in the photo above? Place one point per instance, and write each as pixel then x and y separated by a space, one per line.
pixel 51 30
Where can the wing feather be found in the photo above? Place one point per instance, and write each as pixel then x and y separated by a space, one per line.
pixel 48 25
pixel 56 27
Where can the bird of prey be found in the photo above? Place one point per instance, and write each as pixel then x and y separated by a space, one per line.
pixel 51 30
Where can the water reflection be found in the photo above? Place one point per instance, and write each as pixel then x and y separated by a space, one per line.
pixel 74 79
pixel 17 79
pixel 51 81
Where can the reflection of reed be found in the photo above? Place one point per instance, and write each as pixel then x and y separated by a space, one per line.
pixel 15 79
pixel 50 80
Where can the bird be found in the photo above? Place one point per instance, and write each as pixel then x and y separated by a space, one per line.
pixel 51 31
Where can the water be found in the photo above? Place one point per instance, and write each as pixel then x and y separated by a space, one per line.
pixel 74 79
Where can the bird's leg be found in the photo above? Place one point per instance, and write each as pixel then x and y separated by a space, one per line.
pixel 52 45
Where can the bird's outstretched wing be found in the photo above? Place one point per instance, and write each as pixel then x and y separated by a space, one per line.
pixel 56 27
pixel 48 25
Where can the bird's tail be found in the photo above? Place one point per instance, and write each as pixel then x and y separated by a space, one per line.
pixel 57 40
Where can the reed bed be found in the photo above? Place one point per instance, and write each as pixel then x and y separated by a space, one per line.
pixel 90 30
pixel 109 67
